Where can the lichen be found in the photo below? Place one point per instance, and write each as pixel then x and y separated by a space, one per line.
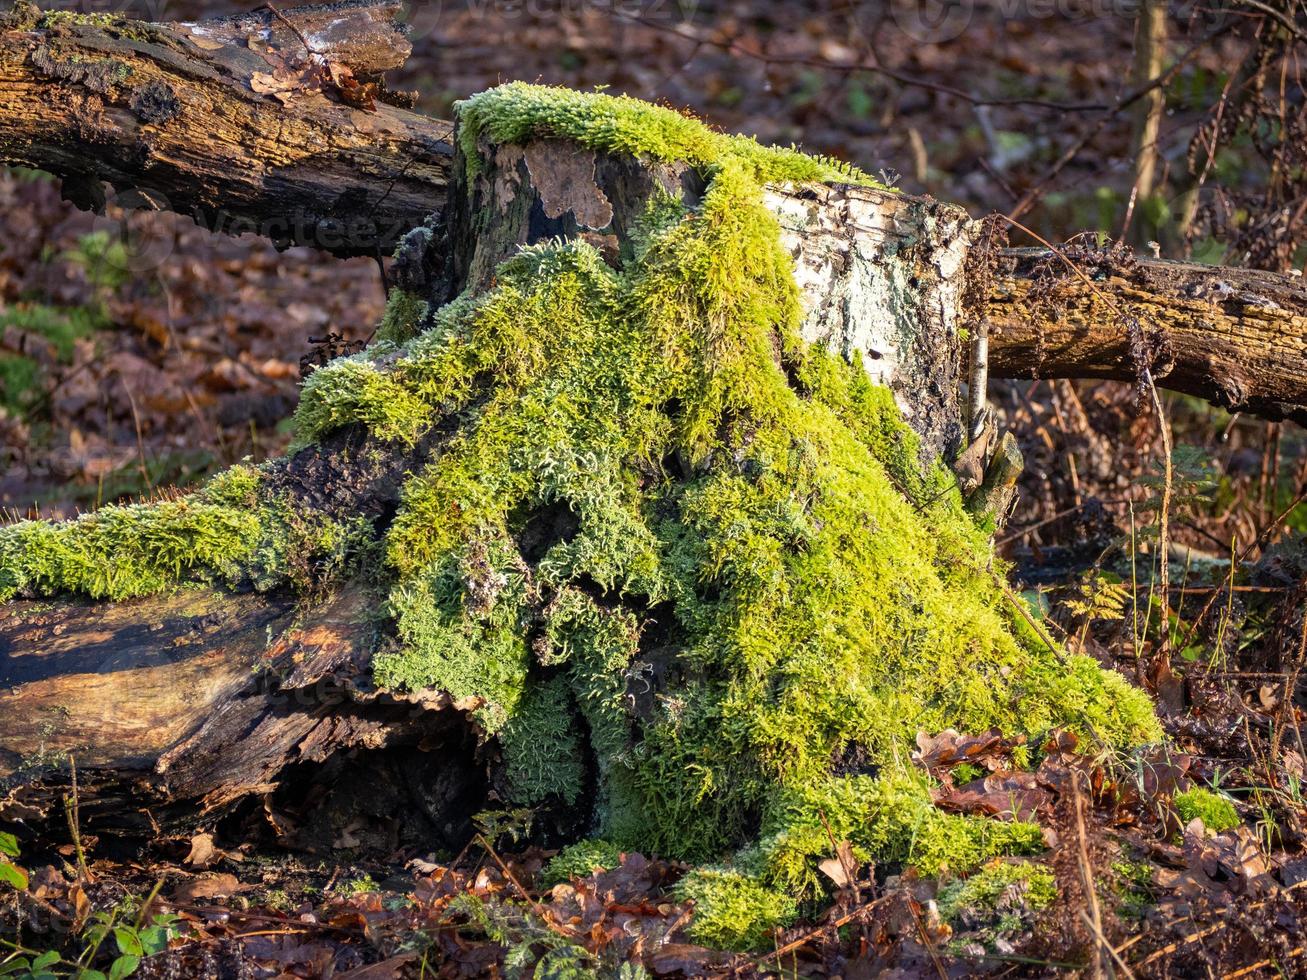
pixel 580 860
pixel 661 531
pixel 1216 810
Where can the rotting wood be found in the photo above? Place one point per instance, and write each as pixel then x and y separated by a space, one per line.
pixel 168 110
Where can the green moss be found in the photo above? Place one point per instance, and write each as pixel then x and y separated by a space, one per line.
pixel 997 902
pixel 733 910
pixel 117 24
pixel 54 18
pixel 1132 885
pixel 1214 809
pixel 403 316
pixel 796 508
pixel 544 756
pixel 658 505
pixel 520 112
pixel 887 819
pixel 978 895
pixel 580 860
pixel 223 535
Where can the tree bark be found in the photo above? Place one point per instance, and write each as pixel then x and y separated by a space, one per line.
pixel 168 110
pixel 1234 337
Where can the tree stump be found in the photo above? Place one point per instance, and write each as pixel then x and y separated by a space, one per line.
pixel 633 515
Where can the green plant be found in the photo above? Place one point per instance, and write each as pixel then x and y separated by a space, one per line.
pixel 1216 810
pixel 733 910
pixel 580 860
pixel 132 942
pixel 10 873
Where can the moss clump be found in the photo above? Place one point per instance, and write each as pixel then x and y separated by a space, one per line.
pixel 657 437
pixel 61 328
pixel 664 528
pixel 997 902
pixel 403 316
pixel 520 112
pixel 1132 885
pixel 580 860
pixel 1214 809
pixel 887 819
pixel 980 894
pixel 221 535
pixel 734 910
pixel 544 757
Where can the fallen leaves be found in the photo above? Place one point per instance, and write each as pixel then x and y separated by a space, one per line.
pixel 296 75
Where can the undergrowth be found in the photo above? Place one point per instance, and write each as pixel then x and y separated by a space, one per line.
pixel 742 597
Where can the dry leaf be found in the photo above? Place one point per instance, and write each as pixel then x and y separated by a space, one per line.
pixel 210 886
pixel 203 854
pixel 205 43
pixel 841 866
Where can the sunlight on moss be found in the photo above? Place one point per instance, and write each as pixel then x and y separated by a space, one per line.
pixel 221 535
pixel 580 860
pixel 980 893
pixel 667 534
pixel 1215 810
pixel 520 112
pixel 997 902
pixel 694 456
pixel 734 910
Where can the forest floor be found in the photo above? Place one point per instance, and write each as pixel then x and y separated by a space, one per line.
pixel 125 370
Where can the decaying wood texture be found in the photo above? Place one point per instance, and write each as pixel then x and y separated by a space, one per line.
pixel 179 705
pixel 168 110
pixel 115 686
pixel 1235 337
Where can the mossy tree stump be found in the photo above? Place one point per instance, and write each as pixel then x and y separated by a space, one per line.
pixel 634 513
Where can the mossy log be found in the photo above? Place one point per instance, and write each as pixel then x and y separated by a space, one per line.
pixel 171 112
pixel 197 698
pixel 634 515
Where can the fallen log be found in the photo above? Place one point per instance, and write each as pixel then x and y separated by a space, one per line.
pixel 169 114
pixel 1234 337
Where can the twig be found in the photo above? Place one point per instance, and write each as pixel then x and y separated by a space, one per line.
pixel 1098 932
pixel 72 810
pixel 536 907
pixel 1095 915
pixel 293 29
pixel 1164 516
